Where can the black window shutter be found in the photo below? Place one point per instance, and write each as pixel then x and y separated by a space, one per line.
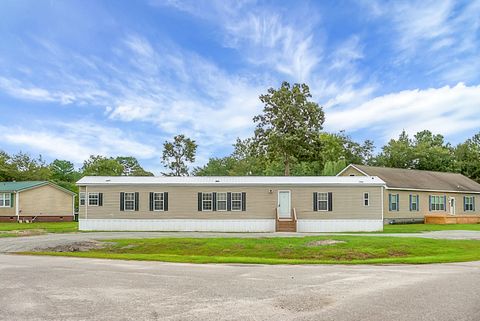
pixel 199 202
pixel 229 201
pixel 137 197
pixel 398 202
pixel 151 201
pixel 418 203
pixel 100 199
pixel 122 201
pixel 165 201
pixel 315 201
pixel 214 201
pixel 244 201
pixel 330 201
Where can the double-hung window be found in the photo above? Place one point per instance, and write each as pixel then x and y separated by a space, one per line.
pixel 437 203
pixel 207 202
pixel 236 201
pixel 469 204
pixel 414 202
pixel 129 202
pixel 322 201
pixel 93 199
pixel 81 199
pixel 5 199
pixel 366 199
pixel 394 202
pixel 221 202
pixel 158 201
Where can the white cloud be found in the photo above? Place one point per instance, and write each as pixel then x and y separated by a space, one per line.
pixel 75 141
pixel 441 34
pixel 284 41
pixel 448 110
pixel 17 89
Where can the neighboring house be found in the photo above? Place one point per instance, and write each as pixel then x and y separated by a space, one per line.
pixel 231 204
pixel 412 194
pixel 35 200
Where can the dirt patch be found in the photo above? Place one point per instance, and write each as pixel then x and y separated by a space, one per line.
pixel 324 243
pixel 29 232
pixel 77 247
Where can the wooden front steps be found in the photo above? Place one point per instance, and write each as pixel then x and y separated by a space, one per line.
pixel 286 225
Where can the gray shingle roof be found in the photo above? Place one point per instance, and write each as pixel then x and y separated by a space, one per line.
pixel 418 179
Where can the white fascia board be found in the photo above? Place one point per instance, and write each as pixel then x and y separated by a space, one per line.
pixel 352 166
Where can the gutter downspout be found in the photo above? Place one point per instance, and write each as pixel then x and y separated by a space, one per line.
pixel 383 205
pixel 17 202
pixel 86 202
pixel 73 206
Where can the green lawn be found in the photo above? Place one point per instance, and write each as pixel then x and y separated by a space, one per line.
pixel 301 250
pixel 25 229
pixel 415 228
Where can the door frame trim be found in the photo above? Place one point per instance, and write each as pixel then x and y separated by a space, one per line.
pixel 289 201
pixel 454 207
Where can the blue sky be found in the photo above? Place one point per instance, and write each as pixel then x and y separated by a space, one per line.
pixel 121 77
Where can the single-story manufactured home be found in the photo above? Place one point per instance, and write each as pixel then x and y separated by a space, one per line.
pixel 231 204
pixel 411 195
pixel 35 201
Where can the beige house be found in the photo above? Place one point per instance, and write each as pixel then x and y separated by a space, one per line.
pixel 412 194
pixel 35 201
pixel 231 204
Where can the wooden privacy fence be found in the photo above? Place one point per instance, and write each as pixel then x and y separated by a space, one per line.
pixel 452 219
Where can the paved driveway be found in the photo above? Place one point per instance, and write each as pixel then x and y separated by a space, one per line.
pixel 29 243
pixel 60 288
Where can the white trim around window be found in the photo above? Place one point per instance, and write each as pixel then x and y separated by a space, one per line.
pixel 158 202
pixel 437 203
pixel 129 201
pixel 5 199
pixel 222 201
pixel 366 199
pixel 414 202
pixel 393 202
pixel 236 201
pixel 322 201
pixel 81 198
pixel 93 199
pixel 207 201
pixel 469 204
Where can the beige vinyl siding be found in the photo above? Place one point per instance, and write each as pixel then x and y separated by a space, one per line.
pixel 45 201
pixel 404 210
pixel 8 211
pixel 261 203
pixel 352 171
pixel 347 203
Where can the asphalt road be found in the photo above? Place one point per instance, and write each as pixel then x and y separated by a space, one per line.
pixel 30 243
pixel 59 288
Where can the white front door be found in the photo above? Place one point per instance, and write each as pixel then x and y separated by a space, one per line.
pixel 284 209
pixel 452 205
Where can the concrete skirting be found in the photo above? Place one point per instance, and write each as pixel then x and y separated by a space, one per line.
pixel 178 225
pixel 339 225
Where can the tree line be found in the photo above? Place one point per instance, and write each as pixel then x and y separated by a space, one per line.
pixel 288 139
